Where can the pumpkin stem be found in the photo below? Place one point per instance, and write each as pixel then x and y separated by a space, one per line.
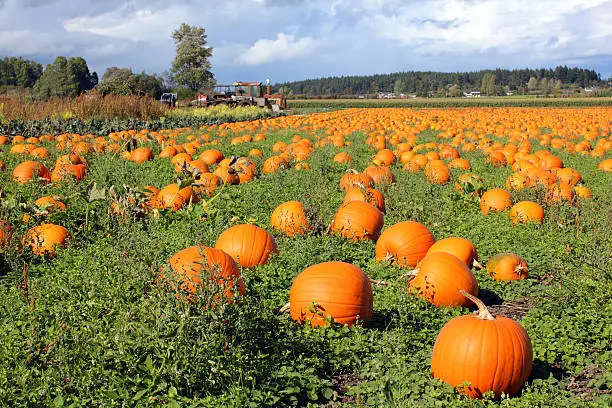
pixel 284 308
pixel 477 265
pixel 389 257
pixel 378 282
pixel 410 274
pixel 483 312
pixel 520 270
pixel 352 171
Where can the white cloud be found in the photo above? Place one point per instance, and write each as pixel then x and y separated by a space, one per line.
pixel 137 25
pixel 509 27
pixel 284 47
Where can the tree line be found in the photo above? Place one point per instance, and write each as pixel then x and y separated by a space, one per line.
pixel 429 83
pixel 69 77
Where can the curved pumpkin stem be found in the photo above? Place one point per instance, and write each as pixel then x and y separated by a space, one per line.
pixel 410 274
pixel 284 308
pixel 378 282
pixel 477 265
pixel 352 171
pixel 483 312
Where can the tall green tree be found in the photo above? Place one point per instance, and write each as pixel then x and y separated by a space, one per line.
pixel 64 77
pixel 84 79
pixel 58 80
pixel 454 91
pixel 191 66
pixel 488 84
pixel 532 85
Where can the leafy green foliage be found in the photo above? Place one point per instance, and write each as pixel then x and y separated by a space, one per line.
pixel 98 326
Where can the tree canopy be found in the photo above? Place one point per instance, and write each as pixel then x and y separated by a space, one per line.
pixel 65 77
pixel 191 66
pixel 19 72
pixel 122 81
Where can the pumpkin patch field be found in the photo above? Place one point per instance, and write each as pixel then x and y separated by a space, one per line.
pixel 363 257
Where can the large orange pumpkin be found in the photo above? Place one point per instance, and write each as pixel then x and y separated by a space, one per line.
pixel 290 217
pixel 404 243
pixel 248 244
pixel 335 290
pixel 357 220
pixel 45 238
pixel 200 263
pixel 490 353
pixel 440 276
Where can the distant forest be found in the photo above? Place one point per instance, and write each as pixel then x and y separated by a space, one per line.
pixel 489 82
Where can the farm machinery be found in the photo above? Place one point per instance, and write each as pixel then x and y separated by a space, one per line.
pixel 242 94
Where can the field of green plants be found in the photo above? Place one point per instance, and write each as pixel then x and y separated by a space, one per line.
pixel 95 321
pixel 518 101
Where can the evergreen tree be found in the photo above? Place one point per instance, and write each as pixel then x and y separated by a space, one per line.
pixel 191 65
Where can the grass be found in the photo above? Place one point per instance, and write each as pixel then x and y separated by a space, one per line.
pixel 94 327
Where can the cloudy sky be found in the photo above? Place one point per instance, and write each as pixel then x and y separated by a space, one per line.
pixel 298 39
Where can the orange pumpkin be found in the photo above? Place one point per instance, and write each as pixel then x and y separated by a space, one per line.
pixel 357 220
pixel 228 175
pixel 368 195
pixel 44 239
pixel 331 290
pixel 342 157
pixel 290 217
pixel 30 170
pixel 173 197
pixel 354 179
pixel 605 166
pixel 507 267
pixel 496 199
pixel 248 244
pixel 437 172
pixel 141 155
pixel 380 174
pixel 440 276
pixel 526 211
pixel 460 247
pixel 198 264
pixel 211 156
pixel 404 243
pixel 583 192
pixel 50 204
pixel 207 184
pixel 490 353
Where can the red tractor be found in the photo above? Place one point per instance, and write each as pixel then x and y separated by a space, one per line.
pixel 242 94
